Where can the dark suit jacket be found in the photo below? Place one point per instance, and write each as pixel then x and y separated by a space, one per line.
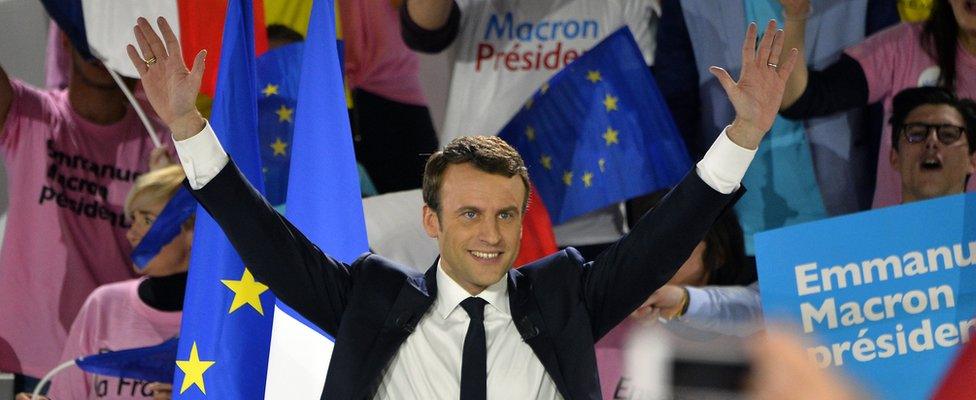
pixel 560 304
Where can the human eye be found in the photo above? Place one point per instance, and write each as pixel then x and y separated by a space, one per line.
pixel 916 133
pixel 469 214
pixel 949 134
pixel 506 215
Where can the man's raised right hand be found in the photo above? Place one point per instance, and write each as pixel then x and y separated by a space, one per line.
pixel 171 88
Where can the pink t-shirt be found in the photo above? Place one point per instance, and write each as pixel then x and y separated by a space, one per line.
pixel 67 179
pixel 113 318
pixel 610 360
pixel 376 58
pixel 894 60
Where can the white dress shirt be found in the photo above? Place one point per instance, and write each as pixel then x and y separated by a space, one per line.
pixel 727 310
pixel 428 364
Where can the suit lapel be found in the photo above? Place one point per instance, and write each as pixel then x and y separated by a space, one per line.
pixel 414 299
pixel 528 321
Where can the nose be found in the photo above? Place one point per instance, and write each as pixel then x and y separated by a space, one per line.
pixel 932 140
pixel 133 236
pixel 490 232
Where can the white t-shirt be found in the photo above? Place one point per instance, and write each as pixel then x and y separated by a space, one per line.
pixel 506 49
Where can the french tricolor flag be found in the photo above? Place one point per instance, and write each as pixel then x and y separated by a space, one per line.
pixel 102 28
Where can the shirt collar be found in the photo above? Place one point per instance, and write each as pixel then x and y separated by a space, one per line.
pixel 450 294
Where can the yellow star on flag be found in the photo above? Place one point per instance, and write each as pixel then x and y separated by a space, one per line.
pixel 610 102
pixel 193 370
pixel 610 136
pixel 279 147
pixel 568 178
pixel 528 104
pixel 594 76
pixel 603 165
pixel 530 133
pixel 546 162
pixel 284 113
pixel 246 291
pixel 587 179
pixel 545 88
pixel 269 90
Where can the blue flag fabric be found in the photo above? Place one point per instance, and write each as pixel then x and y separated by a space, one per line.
pixel 168 224
pixel 598 132
pixel 327 206
pixel 226 328
pixel 151 364
pixel 783 187
pixel 279 72
pixel 71 20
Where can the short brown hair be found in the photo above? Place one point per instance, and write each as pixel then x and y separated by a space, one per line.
pixel 487 153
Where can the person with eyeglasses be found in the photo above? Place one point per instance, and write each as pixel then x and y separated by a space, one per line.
pixel 933 148
pixel 934 152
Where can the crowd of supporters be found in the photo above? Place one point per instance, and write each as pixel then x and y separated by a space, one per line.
pixel 877 113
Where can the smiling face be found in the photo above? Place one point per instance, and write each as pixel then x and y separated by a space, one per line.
pixel 479 225
pixel 932 169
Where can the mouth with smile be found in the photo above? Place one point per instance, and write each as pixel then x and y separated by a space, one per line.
pixel 485 256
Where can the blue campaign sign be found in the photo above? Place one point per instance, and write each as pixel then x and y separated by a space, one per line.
pixel 886 295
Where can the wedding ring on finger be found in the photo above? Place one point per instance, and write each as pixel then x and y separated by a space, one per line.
pixel 772 65
pixel 150 61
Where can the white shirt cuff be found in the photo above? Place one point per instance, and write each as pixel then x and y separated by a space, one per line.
pixel 697 299
pixel 725 164
pixel 202 156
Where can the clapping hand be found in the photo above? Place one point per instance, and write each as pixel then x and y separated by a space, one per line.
pixel 757 95
pixel 171 88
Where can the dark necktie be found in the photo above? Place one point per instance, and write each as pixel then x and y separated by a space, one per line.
pixel 474 361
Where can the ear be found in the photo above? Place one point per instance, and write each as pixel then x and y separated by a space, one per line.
pixel 972 163
pixel 432 223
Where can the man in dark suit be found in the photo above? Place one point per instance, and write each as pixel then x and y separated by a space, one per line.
pixel 471 326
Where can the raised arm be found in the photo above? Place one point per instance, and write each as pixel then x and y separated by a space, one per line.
pixel 624 275
pixel 429 26
pixel 796 13
pixel 172 89
pixel 276 252
pixel 429 14
pixel 6 96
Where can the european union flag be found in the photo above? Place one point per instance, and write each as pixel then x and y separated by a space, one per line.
pixel 598 132
pixel 223 352
pixel 279 71
pixel 323 202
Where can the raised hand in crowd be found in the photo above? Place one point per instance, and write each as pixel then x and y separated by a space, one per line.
pixel 757 95
pixel 170 87
pixel 796 13
pixel 795 8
